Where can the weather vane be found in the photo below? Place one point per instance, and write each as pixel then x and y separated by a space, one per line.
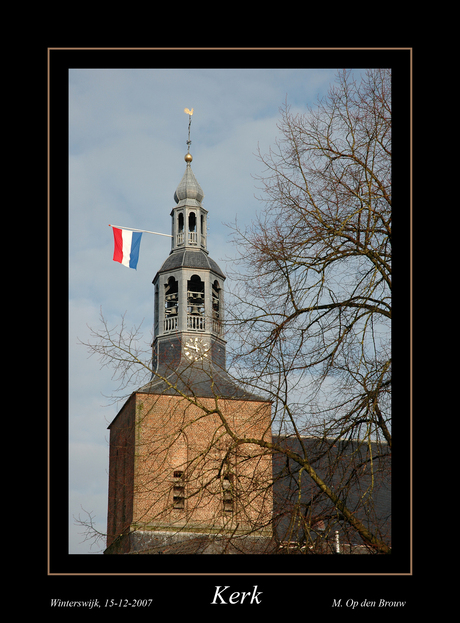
pixel 189 113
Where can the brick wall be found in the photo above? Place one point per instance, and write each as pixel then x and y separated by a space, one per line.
pixel 182 470
pixel 121 471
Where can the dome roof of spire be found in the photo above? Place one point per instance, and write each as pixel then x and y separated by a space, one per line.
pixel 188 188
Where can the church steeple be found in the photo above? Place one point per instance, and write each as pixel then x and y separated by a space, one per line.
pixel 189 348
pixel 189 304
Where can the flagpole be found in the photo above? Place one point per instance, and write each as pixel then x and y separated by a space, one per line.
pixel 145 231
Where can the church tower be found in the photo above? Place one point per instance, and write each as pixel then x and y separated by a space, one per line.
pixel 178 480
pixel 188 287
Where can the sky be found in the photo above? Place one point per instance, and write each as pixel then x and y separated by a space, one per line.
pixel 127 141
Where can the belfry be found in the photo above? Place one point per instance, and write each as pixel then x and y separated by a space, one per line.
pixel 178 481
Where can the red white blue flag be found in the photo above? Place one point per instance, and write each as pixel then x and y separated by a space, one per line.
pixel 127 245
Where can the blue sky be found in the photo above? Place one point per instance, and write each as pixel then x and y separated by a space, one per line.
pixel 127 141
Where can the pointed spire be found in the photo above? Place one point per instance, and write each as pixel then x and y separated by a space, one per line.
pixel 189 191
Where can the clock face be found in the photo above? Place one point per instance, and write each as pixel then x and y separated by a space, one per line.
pixel 196 348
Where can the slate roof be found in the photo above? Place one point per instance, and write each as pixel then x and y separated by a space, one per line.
pixel 369 497
pixel 189 191
pixel 195 258
pixel 205 379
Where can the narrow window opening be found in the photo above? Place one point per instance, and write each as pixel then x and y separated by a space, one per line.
pixel 203 230
pixel 179 498
pixel 192 233
pixel 180 228
pixel 216 310
pixel 228 493
pixel 216 299
pixel 178 490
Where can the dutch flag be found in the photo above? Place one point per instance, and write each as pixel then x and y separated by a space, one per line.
pixel 127 245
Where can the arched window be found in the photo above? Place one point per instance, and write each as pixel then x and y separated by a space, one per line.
pixel 195 303
pixel 180 228
pixel 156 309
pixel 215 299
pixel 216 308
pixel 192 233
pixel 171 304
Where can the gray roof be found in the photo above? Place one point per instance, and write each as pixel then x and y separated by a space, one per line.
pixel 195 258
pixel 199 380
pixel 367 494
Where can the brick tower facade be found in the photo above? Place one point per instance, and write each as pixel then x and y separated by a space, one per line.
pixel 178 482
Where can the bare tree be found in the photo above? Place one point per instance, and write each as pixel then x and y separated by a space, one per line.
pixel 313 297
